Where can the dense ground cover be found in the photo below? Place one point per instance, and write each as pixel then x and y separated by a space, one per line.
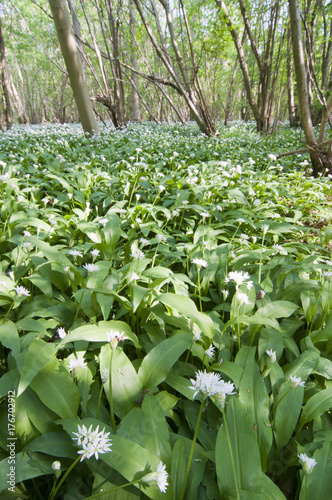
pixel 173 291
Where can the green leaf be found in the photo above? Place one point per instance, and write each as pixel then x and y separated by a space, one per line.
pixel 9 382
pixel 178 466
pixel 157 364
pixel 254 396
pixel 126 386
pixel 304 364
pixel 44 284
pixel 84 381
pixel 293 291
pixel 9 337
pixel 127 457
pixel 52 253
pixel 323 368
pixel 180 384
pixel 317 405
pixel 139 293
pixel 56 389
pixel 156 429
pixel 39 415
pixel 287 414
pixel 30 362
pixel 238 462
pixel 97 333
pixel 277 309
pixel 27 466
pixel 238 196
pixel 57 444
pixel 187 308
pixel 319 484
pixel 231 370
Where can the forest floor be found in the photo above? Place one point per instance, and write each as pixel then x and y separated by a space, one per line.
pixel 171 290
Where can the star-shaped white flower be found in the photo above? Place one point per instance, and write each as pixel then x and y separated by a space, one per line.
pixel 295 381
pixel 308 463
pixel 159 477
pixel 272 355
pixel 200 263
pixel 76 363
pixel 21 291
pixel 91 267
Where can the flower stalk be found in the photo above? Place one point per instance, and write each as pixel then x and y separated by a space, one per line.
pixel 191 454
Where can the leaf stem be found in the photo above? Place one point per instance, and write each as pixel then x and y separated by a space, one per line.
pixel 101 494
pixel 232 459
pixel 191 454
pixel 305 486
pixel 64 477
pixel 111 392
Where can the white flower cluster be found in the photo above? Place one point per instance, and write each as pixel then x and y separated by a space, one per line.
pixel 137 254
pixel 114 337
pixel 210 384
pixel 239 277
pixel 21 291
pixel 159 477
pixel 308 463
pixel 200 263
pixel 92 441
pixel 91 267
pixel 295 381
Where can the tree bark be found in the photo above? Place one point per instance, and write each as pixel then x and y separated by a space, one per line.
pixel 4 81
pixel 191 96
pixel 72 59
pixel 319 160
pixel 136 114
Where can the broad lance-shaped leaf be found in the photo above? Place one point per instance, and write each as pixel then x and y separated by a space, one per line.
pixel 188 309
pixel 56 444
pixel 127 457
pixel 30 362
pixel 317 405
pixel 238 462
pixel 178 466
pixel 277 309
pixel 126 386
pixel 27 466
pixel 304 364
pixel 40 416
pixel 319 484
pixel 157 364
pixel 287 414
pixel 9 337
pixel 98 333
pixel 56 389
pixel 52 253
pixel 148 427
pixel 157 438
pixel 254 396
pixel 84 380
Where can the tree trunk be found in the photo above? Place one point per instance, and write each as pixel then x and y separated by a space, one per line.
pixel 136 114
pixel 290 86
pixel 4 81
pixel 182 85
pixel 319 160
pixel 72 59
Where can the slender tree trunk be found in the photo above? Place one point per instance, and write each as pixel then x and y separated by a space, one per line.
pixel 319 161
pixel 290 85
pixel 191 96
pixel 4 81
pixel 242 60
pixel 72 59
pixel 136 114
pixel 77 31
